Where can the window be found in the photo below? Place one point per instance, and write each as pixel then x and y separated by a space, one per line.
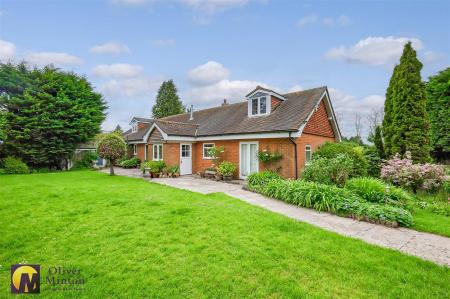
pixel 134 149
pixel 259 105
pixel 307 154
pixel 185 150
pixel 262 105
pixel 134 127
pixel 157 152
pixel 206 148
pixel 254 106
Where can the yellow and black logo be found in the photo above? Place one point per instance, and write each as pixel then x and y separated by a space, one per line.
pixel 25 279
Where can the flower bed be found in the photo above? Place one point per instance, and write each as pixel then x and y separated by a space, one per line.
pixel 328 198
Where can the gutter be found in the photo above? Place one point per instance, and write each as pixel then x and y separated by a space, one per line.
pixel 295 155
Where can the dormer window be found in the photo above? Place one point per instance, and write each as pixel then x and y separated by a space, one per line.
pixel 134 127
pixel 262 101
pixel 259 105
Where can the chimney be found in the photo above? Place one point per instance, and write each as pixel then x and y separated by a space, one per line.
pixel 192 113
pixel 224 102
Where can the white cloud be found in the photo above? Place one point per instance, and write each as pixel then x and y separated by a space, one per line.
pixel 55 58
pixel 7 50
pixel 163 43
pixel 132 87
pixel 208 73
pixel 431 56
pixel 123 70
pixel 110 48
pixel 309 19
pixel 373 50
pixel 347 106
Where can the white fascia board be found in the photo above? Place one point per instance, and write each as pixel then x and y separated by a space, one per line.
pixel 154 126
pixel 267 92
pixel 245 136
pixel 180 138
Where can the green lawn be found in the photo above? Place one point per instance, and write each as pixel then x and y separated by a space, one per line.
pixel 135 239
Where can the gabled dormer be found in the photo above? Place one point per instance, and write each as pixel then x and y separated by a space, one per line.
pixel 138 123
pixel 262 101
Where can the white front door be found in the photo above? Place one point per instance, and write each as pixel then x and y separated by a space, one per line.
pixel 248 158
pixel 185 158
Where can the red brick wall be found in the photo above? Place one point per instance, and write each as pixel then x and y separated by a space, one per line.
pixel 171 153
pixel 275 102
pixel 140 151
pixel 307 139
pixel 140 125
pixel 319 124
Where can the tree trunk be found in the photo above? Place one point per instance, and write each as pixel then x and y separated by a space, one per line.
pixel 111 167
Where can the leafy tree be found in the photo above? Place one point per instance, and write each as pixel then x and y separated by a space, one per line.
pixel 2 126
pixel 406 121
pixel 438 107
pixel 378 142
pixel 48 112
pixel 167 102
pixel 111 147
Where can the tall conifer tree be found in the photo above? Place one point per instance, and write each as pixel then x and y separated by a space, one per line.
pixel 406 120
pixel 438 107
pixel 167 101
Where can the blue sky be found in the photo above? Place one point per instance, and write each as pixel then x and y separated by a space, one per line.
pixel 222 48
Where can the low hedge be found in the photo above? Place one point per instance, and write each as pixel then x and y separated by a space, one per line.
pixel 131 163
pixel 328 198
pixel 13 165
pixel 375 190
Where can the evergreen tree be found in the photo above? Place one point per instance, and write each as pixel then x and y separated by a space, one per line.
pixel 405 115
pixel 48 112
pixel 167 102
pixel 388 115
pixel 378 142
pixel 438 107
pixel 118 129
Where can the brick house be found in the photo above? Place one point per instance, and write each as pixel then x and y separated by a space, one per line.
pixel 293 124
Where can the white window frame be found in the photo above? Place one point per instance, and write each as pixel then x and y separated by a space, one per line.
pixel 135 149
pixel 308 148
pixel 134 127
pixel 158 149
pixel 203 151
pixel 268 105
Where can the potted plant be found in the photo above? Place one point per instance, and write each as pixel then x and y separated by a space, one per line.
pixel 173 171
pixel 155 167
pixel 210 172
pixel 226 169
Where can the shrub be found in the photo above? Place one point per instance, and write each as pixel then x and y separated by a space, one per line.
pixel 86 161
pixel 155 166
pixel 373 161
pixel 112 147
pixel 352 150
pixel 329 170
pixel 375 190
pixel 333 199
pixel 226 168
pixel 131 163
pixel 402 172
pixel 258 179
pixel 12 165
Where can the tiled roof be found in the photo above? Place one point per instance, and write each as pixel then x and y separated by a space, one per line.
pixel 234 119
pixel 139 135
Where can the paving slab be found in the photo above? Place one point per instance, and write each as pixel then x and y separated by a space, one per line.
pixel 427 246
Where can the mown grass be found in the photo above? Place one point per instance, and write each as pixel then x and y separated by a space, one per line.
pixel 134 239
